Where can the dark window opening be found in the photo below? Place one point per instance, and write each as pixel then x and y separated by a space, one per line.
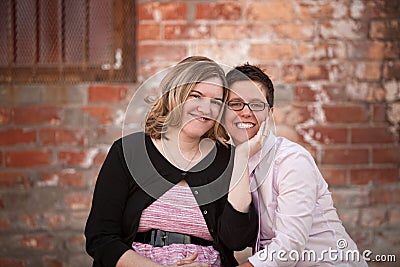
pixel 67 41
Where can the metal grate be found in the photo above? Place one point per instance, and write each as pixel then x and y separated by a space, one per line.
pixel 67 40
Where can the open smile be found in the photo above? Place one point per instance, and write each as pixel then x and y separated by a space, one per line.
pixel 245 125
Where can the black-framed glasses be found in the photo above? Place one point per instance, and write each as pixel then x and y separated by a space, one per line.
pixel 253 106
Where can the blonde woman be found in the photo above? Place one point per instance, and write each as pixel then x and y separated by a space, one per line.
pixel 161 197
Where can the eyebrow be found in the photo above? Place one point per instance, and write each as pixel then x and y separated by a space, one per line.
pixel 200 93
pixel 241 100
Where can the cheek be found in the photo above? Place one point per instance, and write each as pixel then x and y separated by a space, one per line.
pixel 260 117
pixel 229 116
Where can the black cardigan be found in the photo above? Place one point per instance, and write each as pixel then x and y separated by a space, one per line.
pixel 118 200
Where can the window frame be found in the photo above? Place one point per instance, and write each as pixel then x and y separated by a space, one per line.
pixel 123 38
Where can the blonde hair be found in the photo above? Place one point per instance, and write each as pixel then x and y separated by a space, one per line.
pixel 175 88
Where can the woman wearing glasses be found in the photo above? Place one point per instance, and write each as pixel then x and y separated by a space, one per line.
pixel 298 225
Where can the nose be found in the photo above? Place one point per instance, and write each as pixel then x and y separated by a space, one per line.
pixel 204 105
pixel 245 112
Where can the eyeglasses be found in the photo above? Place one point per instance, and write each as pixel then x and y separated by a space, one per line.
pixel 253 106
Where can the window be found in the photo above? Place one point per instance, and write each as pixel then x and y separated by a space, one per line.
pixel 67 40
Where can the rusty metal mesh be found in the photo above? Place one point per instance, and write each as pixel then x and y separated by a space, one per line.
pixel 47 40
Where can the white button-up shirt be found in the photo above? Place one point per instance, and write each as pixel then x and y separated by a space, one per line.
pixel 298 224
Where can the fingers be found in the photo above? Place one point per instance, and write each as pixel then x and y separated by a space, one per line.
pixel 188 260
pixel 192 257
pixel 265 130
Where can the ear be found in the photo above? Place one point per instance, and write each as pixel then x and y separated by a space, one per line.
pixel 271 110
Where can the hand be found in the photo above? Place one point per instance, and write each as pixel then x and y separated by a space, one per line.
pixel 190 262
pixel 245 264
pixel 256 143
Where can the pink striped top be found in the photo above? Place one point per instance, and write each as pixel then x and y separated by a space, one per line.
pixel 176 211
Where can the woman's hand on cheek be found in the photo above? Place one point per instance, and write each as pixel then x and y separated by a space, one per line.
pixel 254 144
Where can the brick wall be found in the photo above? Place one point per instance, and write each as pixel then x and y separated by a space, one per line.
pixel 336 68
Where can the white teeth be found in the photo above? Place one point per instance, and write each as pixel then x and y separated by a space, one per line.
pixel 242 125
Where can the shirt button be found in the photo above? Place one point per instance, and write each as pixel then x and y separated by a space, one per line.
pixel 204 212
pixel 184 173
pixel 211 230
pixel 196 192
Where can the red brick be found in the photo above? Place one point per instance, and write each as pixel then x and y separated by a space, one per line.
pixel 394 216
pixel 78 200
pixel 52 261
pixel 381 9
pixel 294 31
pixel 101 114
pixel 42 242
pixel 342 29
pixel 271 51
pixel 385 196
pixel 311 73
pixel 29 220
pixel 75 243
pixel 291 72
pixel 350 197
pixel 27 158
pixel 378 176
pixel 368 70
pixel 296 115
pixel 305 93
pixel 187 32
pixel 345 114
pixel 379 113
pixel 334 176
pixel 392 70
pixel 335 93
pixel 218 11
pixel 386 155
pixel 230 32
pixel 38 114
pixel 155 53
pixel 148 32
pixel 1 202
pixel 385 29
pixel 5 115
pixel 5 225
pixel 349 217
pixel 84 159
pixel 288 132
pixel 55 221
pixel 344 156
pixel 57 136
pixel 63 178
pixel 162 11
pixel 271 11
pixel 272 70
pixel 374 50
pixel 260 31
pixel 319 51
pixel 9 262
pixel 373 217
pixel 107 93
pixel 327 135
pixel 17 136
pixel 13 179
pixel 371 135
pixel 313 10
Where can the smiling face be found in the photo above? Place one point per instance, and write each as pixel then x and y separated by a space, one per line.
pixel 201 108
pixel 244 124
